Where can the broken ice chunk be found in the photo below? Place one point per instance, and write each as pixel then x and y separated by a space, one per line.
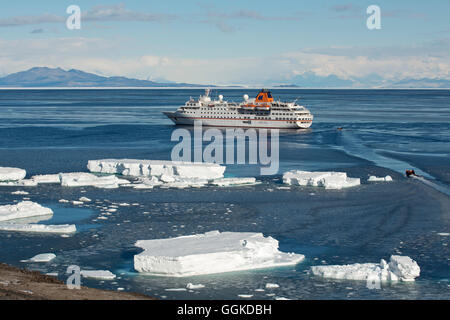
pixel 12 174
pixel 328 180
pixel 212 252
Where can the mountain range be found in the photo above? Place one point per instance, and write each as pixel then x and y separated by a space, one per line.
pixel 56 77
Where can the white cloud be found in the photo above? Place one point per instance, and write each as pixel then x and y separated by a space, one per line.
pixel 94 55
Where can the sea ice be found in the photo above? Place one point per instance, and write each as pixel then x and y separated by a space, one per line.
pixel 43 257
pixel 272 286
pixel 84 179
pixel 328 180
pixel 19 183
pixel 40 228
pixel 212 252
pixel 225 182
pixel 46 178
pixel 11 174
pixel 374 178
pixel 192 286
pixel 20 193
pixel 399 268
pixel 23 209
pixel 158 168
pixel 98 274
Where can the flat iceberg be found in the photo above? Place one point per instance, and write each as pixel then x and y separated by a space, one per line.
pixel 84 179
pixel 12 174
pixel 211 252
pixel 399 268
pixel 39 228
pixel 23 209
pixel 43 257
pixel 374 178
pixel 98 274
pixel 328 180
pixel 158 168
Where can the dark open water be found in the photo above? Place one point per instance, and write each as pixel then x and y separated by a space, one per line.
pixel 384 132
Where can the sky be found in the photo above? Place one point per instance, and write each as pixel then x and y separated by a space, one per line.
pixel 230 42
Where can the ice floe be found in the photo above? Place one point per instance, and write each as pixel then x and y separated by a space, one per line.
pixel 39 228
pixel 224 182
pixel 84 179
pixel 158 168
pixel 12 174
pixel 374 179
pixel 399 268
pixel 328 180
pixel 211 252
pixel 98 274
pixel 272 286
pixel 192 286
pixel 43 257
pixel 23 209
pixel 19 192
pixel 46 178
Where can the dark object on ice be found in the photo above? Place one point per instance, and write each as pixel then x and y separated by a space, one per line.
pixel 410 173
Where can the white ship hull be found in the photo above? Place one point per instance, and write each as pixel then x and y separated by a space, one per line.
pixel 182 119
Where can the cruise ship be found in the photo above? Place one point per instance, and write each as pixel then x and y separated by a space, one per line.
pixel 260 112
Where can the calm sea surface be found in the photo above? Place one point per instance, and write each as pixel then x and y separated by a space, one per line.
pixel 383 132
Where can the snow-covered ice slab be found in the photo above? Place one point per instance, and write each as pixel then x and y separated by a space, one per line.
pixel 158 168
pixel 225 182
pixel 328 180
pixel 43 257
pixel 98 274
pixel 374 179
pixel 47 178
pixel 84 179
pixel 12 174
pixel 211 252
pixel 39 228
pixel 23 209
pixel 399 268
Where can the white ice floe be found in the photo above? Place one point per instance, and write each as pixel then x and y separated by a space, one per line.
pixel 19 192
pixel 272 286
pixel 225 182
pixel 157 168
pixel 63 201
pixel 84 179
pixel 19 183
pixel 11 174
pixel 212 252
pixel 374 179
pixel 328 180
pixel 192 286
pixel 23 209
pixel 46 178
pixel 98 274
pixel 39 228
pixel 399 268
pixel 43 257
pixel 84 199
pixel 76 202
